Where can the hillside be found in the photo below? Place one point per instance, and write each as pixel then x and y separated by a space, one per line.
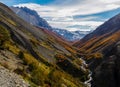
pixel 101 50
pixel 105 35
pixel 107 73
pixel 110 26
pixel 37 55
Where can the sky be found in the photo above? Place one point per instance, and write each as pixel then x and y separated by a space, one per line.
pixel 82 15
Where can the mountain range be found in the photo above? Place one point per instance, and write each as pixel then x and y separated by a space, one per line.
pixel 33 18
pixel 34 55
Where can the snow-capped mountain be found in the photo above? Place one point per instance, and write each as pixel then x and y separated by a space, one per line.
pixel 71 35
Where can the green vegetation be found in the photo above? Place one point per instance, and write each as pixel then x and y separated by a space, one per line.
pixel 4 35
pixel 11 47
pixel 96 55
pixel 70 49
pixel 43 75
pixel 46 45
pixel 8 20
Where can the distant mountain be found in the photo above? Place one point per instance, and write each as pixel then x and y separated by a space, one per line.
pixel 33 18
pixel 71 35
pixel 101 48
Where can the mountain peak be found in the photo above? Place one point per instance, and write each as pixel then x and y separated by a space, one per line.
pixel 31 17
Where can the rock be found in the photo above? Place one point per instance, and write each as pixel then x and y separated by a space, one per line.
pixel 10 79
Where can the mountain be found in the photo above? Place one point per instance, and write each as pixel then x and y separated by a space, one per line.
pixel 109 29
pixel 107 73
pixel 101 50
pixel 37 55
pixel 33 18
pixel 71 35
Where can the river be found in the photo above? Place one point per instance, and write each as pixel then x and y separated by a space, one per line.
pixel 87 82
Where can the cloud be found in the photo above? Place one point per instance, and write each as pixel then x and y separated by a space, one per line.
pixel 92 25
pixel 61 13
pixel 88 6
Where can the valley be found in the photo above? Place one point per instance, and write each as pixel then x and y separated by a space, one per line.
pixel 35 54
pixel 38 55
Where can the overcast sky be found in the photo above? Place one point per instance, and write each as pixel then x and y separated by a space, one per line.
pixel 72 14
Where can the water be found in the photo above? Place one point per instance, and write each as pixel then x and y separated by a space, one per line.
pixel 87 82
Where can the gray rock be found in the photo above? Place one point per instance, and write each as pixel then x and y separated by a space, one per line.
pixel 10 79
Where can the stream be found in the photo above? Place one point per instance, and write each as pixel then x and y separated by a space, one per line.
pixel 87 82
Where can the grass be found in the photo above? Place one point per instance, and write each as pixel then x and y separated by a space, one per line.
pixel 4 35
pixel 70 49
pixel 8 20
pixel 46 45
pixel 12 47
pixel 43 75
pixel 94 47
pixel 11 22
pixel 96 55
pixel 37 70
pixel 69 83
pixel 102 41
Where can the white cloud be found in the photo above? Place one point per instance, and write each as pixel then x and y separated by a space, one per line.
pixel 109 1
pixel 60 13
pixel 92 25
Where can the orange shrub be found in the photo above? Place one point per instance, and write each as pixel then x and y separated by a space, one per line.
pixel 98 55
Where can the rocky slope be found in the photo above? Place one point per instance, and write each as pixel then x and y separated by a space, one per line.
pixel 31 17
pixel 37 54
pixel 8 79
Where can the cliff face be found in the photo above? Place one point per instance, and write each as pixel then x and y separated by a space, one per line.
pixel 31 17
